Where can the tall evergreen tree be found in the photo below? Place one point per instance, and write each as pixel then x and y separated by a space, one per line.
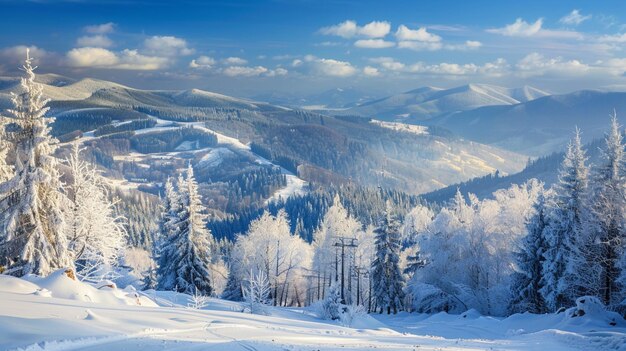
pixel 169 206
pixel 564 233
pixel 34 225
pixel 6 170
pixel 388 281
pixel 527 284
pixel 233 290
pixel 185 256
pixel 607 235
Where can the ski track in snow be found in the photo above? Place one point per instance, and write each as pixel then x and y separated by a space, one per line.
pixel 64 321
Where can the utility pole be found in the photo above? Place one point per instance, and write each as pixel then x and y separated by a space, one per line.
pixel 359 271
pixel 344 242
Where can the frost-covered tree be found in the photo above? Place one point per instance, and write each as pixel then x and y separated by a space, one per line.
pixel 268 246
pixel 337 223
pixel 6 169
pixel 96 233
pixel 185 258
pixel 606 237
pixel 415 222
pixel 257 292
pixel 167 218
pixel 331 306
pixel 388 282
pixel 564 234
pixel 467 252
pixel 526 284
pixel 34 226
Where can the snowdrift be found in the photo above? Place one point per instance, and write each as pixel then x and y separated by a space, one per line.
pixel 60 285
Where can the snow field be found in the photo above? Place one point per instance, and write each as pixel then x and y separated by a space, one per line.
pixel 109 320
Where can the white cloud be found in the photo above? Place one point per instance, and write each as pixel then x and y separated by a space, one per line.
pixel 371 71
pixel 494 69
pixel 346 29
pixel 99 41
pixel 167 46
pixel 89 57
pixel 615 38
pixel 92 57
pixel 420 45
pixel 349 29
pixel 235 61
pixel 277 72
pixel 202 62
pixel 328 43
pixel 536 64
pixel 100 28
pixel 375 29
pixel 574 18
pixel 296 63
pixel 373 43
pixel 473 44
pixel 17 54
pixel 388 63
pixel 235 71
pixel 521 28
pixel 405 34
pixel 334 68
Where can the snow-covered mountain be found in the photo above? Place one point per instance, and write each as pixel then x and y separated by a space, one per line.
pixel 428 102
pixel 337 98
pixel 539 126
pixel 413 162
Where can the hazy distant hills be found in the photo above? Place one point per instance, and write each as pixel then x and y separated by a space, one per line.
pixel 429 102
pixel 337 98
pixel 539 126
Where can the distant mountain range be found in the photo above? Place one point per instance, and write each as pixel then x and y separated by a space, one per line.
pixel 337 98
pixel 539 126
pixel 428 102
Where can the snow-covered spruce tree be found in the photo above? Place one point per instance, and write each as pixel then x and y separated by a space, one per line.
pixel 6 169
pixel 169 207
pixel 233 290
pixel 185 256
pixel 331 307
pixel 96 234
pixel 526 281
pixel 607 236
pixel 257 292
pixel 388 282
pixel 34 224
pixel 564 232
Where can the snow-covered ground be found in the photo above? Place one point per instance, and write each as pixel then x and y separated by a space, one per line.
pixel 57 313
pixel 402 127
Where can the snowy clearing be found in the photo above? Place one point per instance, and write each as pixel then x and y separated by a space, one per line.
pixel 402 127
pixel 57 313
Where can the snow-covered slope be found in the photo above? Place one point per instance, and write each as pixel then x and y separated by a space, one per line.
pixel 428 102
pixel 56 320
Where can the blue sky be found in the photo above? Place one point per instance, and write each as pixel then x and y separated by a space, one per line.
pixel 251 47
